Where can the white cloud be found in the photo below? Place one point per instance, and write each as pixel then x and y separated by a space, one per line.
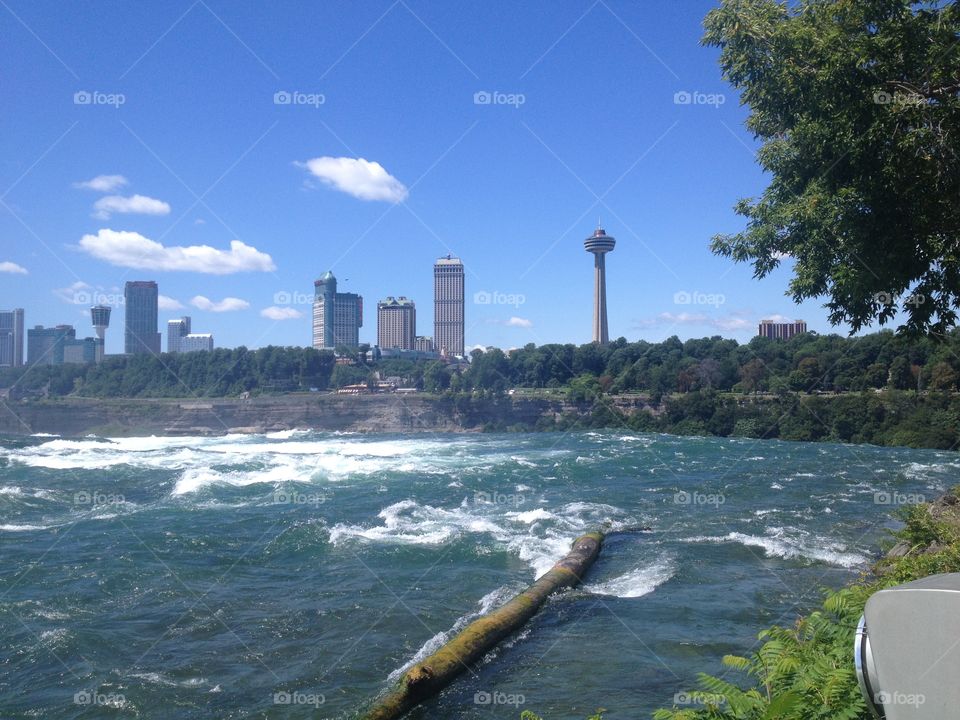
pixel 74 294
pixel 519 322
pixel 138 204
pixel 778 318
pixel 11 267
pixel 280 313
pixel 168 303
pixel 734 321
pixel 133 250
pixel 358 177
pixel 228 304
pixel 102 183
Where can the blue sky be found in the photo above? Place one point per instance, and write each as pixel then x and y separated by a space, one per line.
pixel 496 131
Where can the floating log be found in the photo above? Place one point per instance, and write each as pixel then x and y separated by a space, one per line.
pixel 429 676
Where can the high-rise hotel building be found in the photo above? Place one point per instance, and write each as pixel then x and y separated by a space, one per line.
pixel 448 306
pixel 397 323
pixel 337 317
pixel 11 338
pixel 45 346
pixel 780 330
pixel 176 331
pixel 140 317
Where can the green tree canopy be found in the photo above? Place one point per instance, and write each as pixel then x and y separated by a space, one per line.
pixel 856 103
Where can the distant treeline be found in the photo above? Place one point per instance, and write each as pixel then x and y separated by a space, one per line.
pixel 806 363
pixel 765 388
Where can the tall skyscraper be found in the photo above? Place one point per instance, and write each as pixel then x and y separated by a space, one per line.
pixel 140 318
pixel 397 323
pixel 347 319
pixel 11 338
pixel 448 306
pixel 324 291
pixel 337 317
pixel 176 331
pixel 780 330
pixel 45 345
pixel 100 317
pixel 599 244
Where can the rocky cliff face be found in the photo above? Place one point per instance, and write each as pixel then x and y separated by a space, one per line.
pixel 372 413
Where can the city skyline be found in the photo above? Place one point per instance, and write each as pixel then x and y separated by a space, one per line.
pixel 100 193
pixel 341 323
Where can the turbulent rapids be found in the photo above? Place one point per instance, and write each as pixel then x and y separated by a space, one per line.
pixel 226 575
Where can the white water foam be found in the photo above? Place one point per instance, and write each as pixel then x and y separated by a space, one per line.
pixel 539 537
pixel 156 678
pixel 286 434
pixel 531 516
pixel 197 478
pixel 24 528
pixel 408 522
pixel 637 582
pixel 790 544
